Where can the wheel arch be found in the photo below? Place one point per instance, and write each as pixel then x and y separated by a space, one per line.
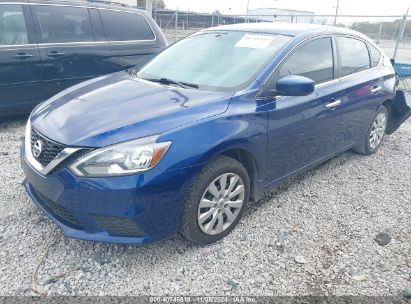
pixel 248 160
pixel 387 104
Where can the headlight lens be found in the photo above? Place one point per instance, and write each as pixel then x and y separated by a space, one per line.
pixel 121 159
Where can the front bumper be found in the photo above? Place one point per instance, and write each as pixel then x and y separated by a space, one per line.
pixel 130 209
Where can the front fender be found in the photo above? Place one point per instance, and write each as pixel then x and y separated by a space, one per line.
pixel 200 141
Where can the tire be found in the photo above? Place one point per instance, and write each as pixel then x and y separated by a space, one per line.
pixel 200 191
pixel 368 147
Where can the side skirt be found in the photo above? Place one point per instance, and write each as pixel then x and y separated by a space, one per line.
pixel 274 184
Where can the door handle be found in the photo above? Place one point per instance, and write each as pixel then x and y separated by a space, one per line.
pixel 23 56
pixel 55 54
pixel 334 104
pixel 375 89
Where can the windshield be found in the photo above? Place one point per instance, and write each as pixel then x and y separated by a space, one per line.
pixel 218 61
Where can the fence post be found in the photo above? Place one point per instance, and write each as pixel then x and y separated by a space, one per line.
pixel 212 20
pixel 400 34
pixel 175 26
pixel 395 34
pixel 149 7
pixel 379 33
pixel 336 12
pixel 188 12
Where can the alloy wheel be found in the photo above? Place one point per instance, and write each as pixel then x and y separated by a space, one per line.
pixel 378 130
pixel 221 203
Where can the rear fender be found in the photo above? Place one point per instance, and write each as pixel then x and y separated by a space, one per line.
pixel 399 112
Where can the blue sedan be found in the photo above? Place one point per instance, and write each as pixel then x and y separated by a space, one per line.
pixel 186 142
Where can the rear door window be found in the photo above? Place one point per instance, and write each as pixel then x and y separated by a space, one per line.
pixel 313 60
pixel 125 26
pixel 353 54
pixel 13 29
pixel 60 24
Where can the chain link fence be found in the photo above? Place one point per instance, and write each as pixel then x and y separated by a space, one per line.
pixel 390 32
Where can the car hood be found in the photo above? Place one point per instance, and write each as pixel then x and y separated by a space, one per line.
pixel 117 108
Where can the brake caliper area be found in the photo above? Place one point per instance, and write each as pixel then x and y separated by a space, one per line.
pixel 399 112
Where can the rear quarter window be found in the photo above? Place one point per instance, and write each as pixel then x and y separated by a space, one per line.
pixel 125 26
pixel 375 55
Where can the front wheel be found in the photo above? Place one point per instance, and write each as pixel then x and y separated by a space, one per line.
pixel 215 201
pixel 375 133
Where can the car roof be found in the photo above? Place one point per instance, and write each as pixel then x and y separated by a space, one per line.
pixel 90 3
pixel 289 29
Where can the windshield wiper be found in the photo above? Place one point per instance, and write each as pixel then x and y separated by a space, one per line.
pixel 173 82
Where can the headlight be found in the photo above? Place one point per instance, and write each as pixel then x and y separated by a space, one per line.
pixel 121 159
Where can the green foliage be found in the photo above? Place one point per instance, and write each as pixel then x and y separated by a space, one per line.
pixel 141 3
pixel 389 29
pixel 157 4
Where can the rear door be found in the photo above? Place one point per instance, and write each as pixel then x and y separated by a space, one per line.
pixel 131 38
pixel 72 48
pixel 362 83
pixel 20 66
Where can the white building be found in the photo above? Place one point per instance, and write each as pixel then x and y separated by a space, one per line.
pixel 282 15
pixel 128 2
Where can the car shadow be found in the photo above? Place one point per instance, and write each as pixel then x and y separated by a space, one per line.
pixel 336 161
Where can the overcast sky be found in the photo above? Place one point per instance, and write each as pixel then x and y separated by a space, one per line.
pixel 351 7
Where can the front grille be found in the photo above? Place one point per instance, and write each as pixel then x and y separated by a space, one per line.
pixel 119 226
pixel 59 211
pixel 50 149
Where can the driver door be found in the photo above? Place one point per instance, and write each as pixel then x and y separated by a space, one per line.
pixel 305 129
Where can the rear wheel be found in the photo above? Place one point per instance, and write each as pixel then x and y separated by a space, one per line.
pixel 375 133
pixel 215 201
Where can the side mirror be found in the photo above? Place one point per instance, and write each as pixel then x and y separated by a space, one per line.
pixel 294 85
pixel 392 60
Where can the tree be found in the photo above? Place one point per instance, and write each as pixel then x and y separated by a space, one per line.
pixel 159 4
pixel 141 3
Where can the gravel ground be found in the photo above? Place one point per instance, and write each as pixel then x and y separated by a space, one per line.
pixel 323 233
